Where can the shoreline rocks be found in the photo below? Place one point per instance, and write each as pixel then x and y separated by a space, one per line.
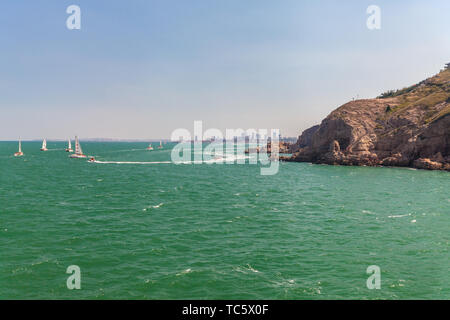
pixel 408 129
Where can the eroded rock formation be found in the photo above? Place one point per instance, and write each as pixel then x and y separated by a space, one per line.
pixel 409 127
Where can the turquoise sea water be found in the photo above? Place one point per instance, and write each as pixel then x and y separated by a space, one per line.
pixel 165 231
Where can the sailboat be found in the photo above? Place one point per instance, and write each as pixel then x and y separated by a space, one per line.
pixel 160 145
pixel 69 147
pixel 44 145
pixel 19 153
pixel 150 147
pixel 78 152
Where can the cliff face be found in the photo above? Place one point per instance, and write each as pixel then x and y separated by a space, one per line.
pixel 409 127
pixel 305 139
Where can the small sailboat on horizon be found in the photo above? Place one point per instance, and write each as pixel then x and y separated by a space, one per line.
pixel 160 145
pixel 150 147
pixel 19 153
pixel 78 152
pixel 69 147
pixel 44 145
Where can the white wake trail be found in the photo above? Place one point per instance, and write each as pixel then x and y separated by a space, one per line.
pixel 129 162
pixel 217 160
pixel 123 150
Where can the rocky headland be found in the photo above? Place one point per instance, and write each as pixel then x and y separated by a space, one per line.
pixel 408 127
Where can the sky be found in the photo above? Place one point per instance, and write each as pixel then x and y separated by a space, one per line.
pixel 139 69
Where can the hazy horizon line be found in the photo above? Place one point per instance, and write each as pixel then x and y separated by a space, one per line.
pixel 89 139
pixel 103 140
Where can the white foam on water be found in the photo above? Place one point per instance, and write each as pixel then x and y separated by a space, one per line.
pixel 400 216
pixel 252 269
pixel 215 160
pixel 184 272
pixel 129 162
pixel 154 207
pixel 218 159
pixel 245 269
pixel 123 150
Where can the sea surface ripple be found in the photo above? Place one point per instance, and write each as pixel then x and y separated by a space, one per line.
pixel 216 231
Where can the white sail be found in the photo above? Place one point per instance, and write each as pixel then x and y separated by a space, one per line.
pixel 78 147
pixel 70 145
pixel 20 145
pixel 44 144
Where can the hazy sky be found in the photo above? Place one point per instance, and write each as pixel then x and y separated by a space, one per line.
pixel 142 68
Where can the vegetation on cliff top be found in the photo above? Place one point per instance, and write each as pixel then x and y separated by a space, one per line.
pixel 441 78
pixel 427 93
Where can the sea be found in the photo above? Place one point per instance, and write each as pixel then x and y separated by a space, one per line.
pixel 141 227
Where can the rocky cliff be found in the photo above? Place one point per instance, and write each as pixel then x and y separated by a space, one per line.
pixel 408 127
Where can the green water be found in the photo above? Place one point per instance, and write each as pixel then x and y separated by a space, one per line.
pixel 165 231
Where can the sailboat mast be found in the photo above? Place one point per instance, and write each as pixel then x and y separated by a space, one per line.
pixel 77 146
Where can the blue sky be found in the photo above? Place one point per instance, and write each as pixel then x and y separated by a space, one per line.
pixel 142 68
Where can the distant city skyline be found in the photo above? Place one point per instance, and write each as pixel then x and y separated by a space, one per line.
pixel 141 69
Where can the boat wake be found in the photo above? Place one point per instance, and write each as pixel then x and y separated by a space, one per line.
pixel 123 150
pixel 129 162
pixel 216 160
